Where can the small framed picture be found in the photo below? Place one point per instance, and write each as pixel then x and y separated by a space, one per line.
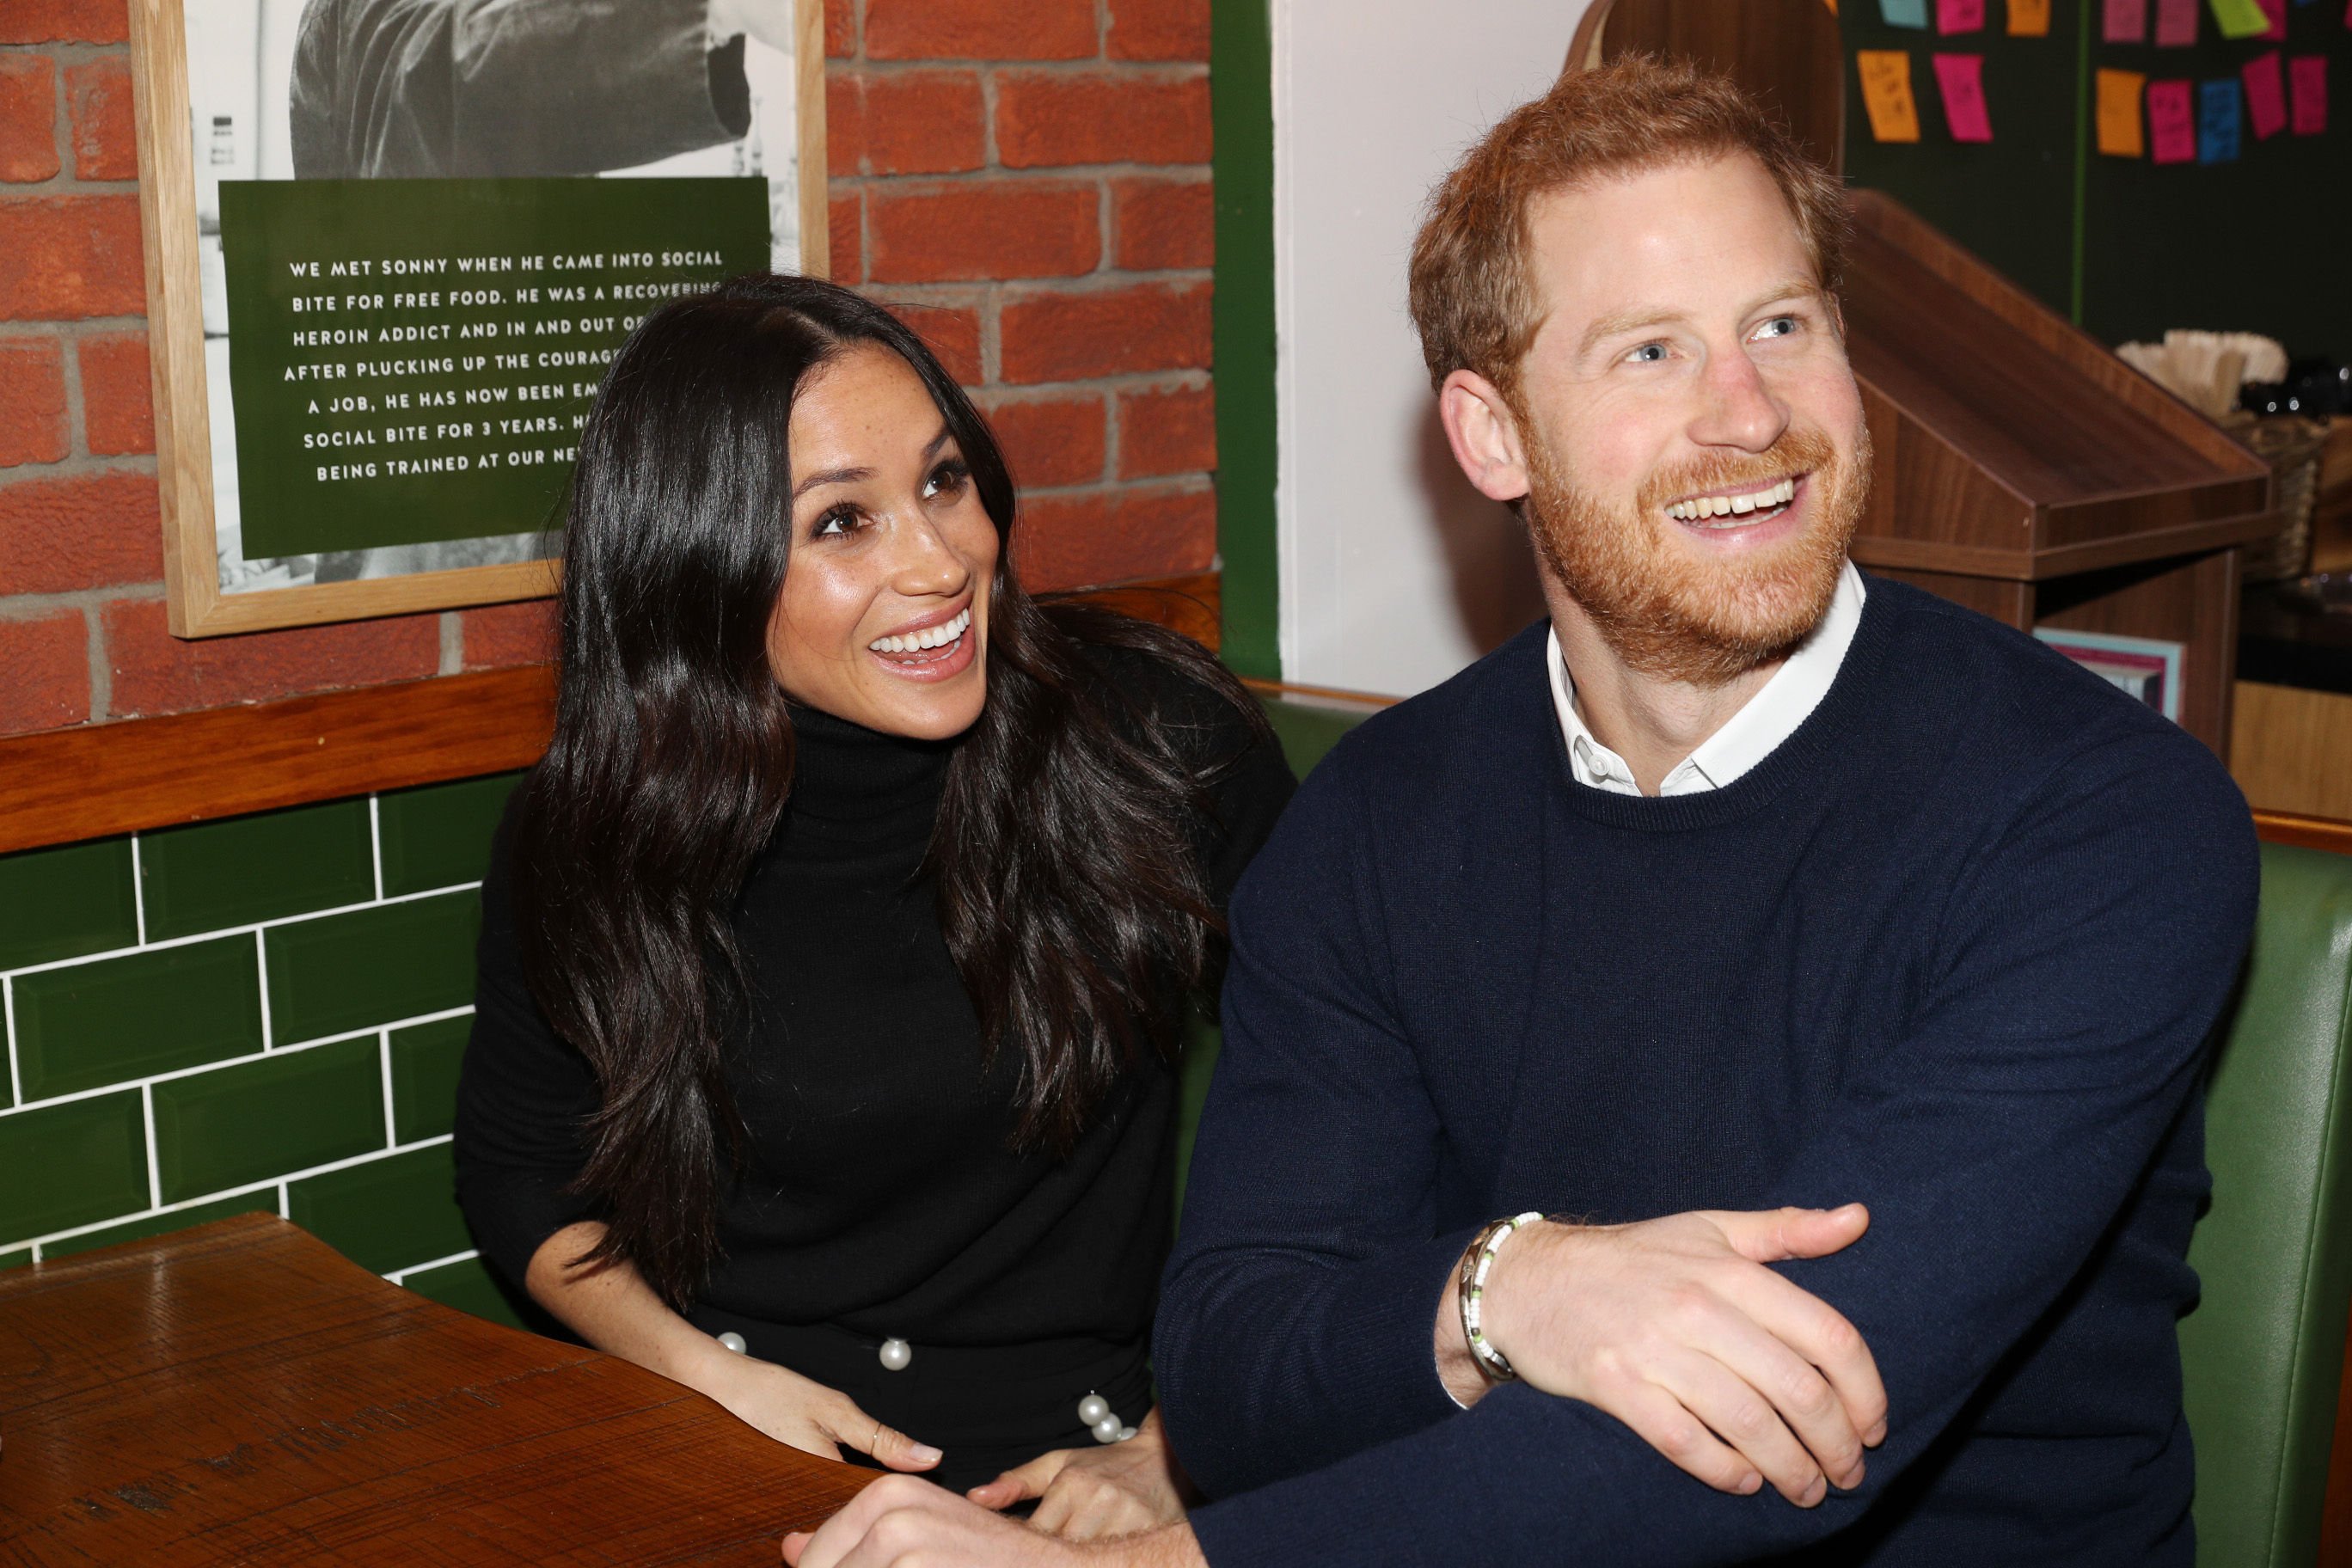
pixel 391 246
pixel 2146 668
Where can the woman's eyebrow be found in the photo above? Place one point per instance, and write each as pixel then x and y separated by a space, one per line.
pixel 851 476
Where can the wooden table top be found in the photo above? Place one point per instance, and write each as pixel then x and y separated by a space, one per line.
pixel 240 1393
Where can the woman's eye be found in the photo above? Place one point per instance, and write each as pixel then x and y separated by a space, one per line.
pixel 841 520
pixel 946 480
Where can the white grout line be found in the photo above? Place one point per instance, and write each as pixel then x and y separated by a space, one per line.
pixel 261 970
pixel 154 1171
pixel 274 1054
pixel 8 1007
pixel 391 1138
pixel 375 844
pixel 280 1183
pixel 241 929
pixel 138 890
pixel 399 1276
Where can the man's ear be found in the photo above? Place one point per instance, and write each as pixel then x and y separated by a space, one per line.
pixel 1484 434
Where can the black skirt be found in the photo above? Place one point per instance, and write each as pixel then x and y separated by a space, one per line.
pixel 987 1409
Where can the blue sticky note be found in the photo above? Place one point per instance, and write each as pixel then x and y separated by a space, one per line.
pixel 1904 13
pixel 2220 110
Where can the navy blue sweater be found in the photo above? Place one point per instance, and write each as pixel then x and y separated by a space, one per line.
pixel 1954 949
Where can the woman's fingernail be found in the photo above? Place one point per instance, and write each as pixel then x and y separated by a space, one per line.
pixel 1750 1481
pixel 924 1452
pixel 1876 1436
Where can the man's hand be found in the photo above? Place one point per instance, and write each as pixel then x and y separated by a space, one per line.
pixel 899 1522
pixel 1675 1327
pixel 1112 1488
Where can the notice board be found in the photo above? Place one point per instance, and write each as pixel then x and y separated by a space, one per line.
pixel 2257 237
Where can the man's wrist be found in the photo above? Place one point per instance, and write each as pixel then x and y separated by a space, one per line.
pixel 1170 1546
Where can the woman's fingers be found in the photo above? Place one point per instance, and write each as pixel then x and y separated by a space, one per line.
pixel 885 1446
pixel 1023 1483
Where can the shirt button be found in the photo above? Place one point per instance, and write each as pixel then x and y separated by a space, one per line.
pixel 894 1354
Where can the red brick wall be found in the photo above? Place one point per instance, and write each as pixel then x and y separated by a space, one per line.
pixel 1028 178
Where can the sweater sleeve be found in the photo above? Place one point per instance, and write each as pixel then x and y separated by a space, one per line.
pixel 2083 962
pixel 523 1097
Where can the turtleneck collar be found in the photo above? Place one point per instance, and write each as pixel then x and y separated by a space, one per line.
pixel 846 775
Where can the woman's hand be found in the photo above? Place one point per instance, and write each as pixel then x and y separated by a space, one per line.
pixel 612 1307
pixel 812 1418
pixel 1112 1489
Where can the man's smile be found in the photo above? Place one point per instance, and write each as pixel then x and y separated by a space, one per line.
pixel 1755 504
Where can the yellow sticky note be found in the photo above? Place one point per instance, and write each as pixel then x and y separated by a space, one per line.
pixel 2029 18
pixel 2120 113
pixel 1887 93
pixel 2241 18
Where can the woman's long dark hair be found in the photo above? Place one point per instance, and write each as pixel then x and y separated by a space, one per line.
pixel 1065 851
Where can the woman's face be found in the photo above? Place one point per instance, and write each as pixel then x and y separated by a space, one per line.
pixel 884 616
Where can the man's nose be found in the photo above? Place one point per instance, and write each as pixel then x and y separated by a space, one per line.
pixel 1739 409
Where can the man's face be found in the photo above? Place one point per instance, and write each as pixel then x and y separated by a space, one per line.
pixel 1689 367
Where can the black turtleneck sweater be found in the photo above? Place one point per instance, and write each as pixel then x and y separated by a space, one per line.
pixel 881 1196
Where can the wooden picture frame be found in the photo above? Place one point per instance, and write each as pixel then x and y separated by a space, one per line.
pixel 168 197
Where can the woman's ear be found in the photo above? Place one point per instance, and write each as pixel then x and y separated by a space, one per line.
pixel 1484 434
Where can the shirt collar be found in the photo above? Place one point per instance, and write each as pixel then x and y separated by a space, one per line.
pixel 1750 735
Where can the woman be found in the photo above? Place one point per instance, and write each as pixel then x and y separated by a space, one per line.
pixel 833 958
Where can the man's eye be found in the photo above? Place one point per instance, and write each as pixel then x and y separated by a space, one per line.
pixel 1648 354
pixel 1779 327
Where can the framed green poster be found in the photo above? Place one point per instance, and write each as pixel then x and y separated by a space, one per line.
pixel 391 244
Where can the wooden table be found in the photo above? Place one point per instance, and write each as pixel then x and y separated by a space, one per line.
pixel 239 1393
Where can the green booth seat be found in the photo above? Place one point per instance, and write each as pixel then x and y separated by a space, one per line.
pixel 2263 1352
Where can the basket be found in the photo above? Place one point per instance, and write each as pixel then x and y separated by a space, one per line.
pixel 2291 444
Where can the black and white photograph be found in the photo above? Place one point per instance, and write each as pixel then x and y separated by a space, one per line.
pixel 343 89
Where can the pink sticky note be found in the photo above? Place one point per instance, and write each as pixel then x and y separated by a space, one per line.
pixel 1961 79
pixel 2171 124
pixel 2308 74
pixel 2126 22
pixel 2266 96
pixel 1959 15
pixel 2276 11
pixel 2176 23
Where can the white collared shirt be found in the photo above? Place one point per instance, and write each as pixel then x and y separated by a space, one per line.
pixel 1769 718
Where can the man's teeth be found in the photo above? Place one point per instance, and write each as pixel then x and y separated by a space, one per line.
pixel 1726 506
pixel 938 635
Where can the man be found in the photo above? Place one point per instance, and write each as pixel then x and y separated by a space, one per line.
pixel 1745 881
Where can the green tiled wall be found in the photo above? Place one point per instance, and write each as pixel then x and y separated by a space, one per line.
pixel 259 1014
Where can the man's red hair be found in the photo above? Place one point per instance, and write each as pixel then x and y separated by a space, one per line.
pixel 1473 298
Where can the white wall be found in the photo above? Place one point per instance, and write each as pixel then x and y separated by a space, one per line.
pixel 1395 573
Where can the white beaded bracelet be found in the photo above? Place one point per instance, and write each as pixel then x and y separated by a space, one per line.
pixel 1476 1263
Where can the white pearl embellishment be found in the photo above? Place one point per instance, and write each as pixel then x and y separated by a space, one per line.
pixel 732 1340
pixel 1095 1411
pixel 896 1354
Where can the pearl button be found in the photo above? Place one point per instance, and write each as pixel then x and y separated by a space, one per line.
pixel 896 1354
pixel 1093 1408
pixel 1107 1429
pixel 732 1340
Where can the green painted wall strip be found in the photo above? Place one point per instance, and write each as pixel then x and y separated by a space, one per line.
pixel 2082 151
pixel 1241 78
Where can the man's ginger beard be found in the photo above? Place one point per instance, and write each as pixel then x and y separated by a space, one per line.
pixel 1670 614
